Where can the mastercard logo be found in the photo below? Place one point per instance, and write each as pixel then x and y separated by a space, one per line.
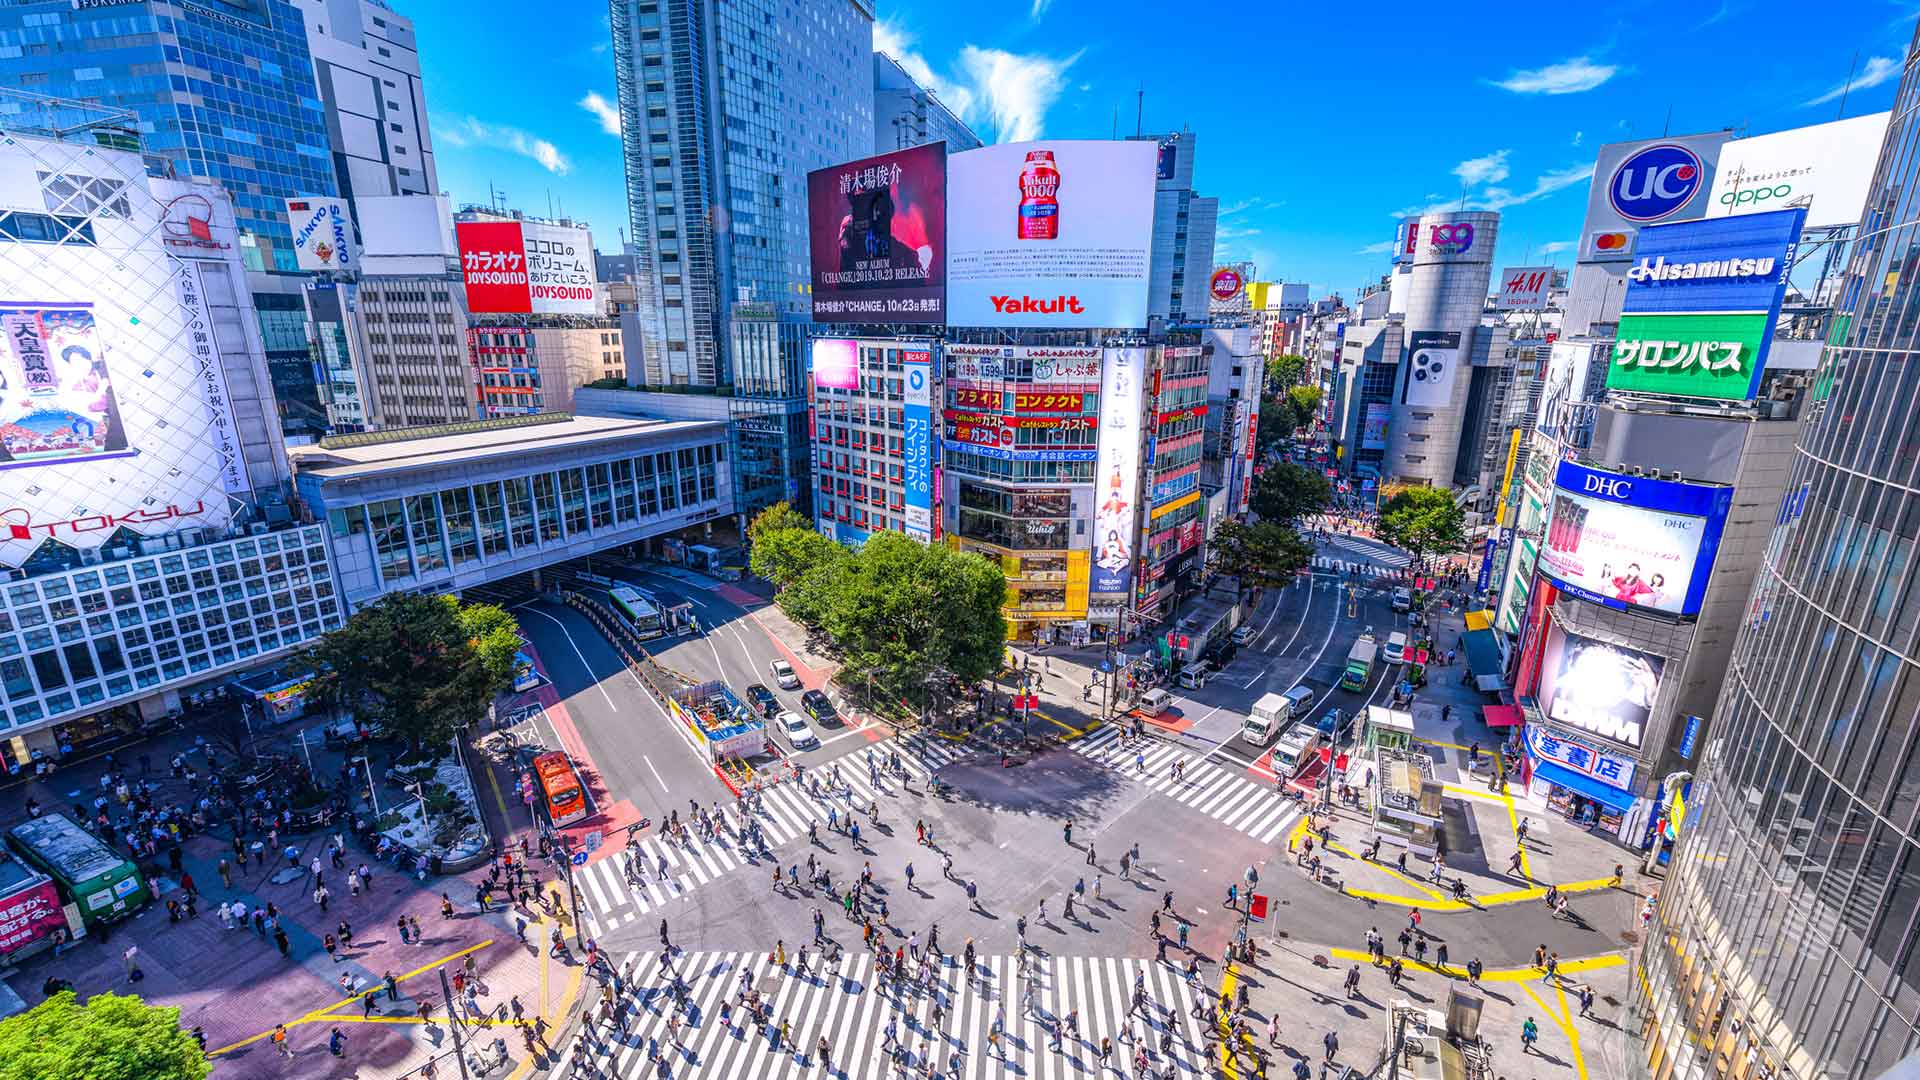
pixel 1611 241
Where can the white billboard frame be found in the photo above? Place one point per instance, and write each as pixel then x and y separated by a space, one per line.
pixel 1827 168
pixel 1092 272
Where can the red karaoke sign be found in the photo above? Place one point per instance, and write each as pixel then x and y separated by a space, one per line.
pixel 493 258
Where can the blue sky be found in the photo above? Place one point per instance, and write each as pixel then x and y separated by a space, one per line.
pixel 1318 123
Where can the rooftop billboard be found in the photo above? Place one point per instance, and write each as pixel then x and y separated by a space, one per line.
pixel 877 232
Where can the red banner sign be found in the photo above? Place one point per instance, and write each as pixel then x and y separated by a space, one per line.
pixel 1050 423
pixel 1049 401
pixel 29 915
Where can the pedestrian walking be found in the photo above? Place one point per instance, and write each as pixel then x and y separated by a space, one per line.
pixel 401 923
pixel 1586 999
pixel 337 1043
pixel 279 1038
pixel 1353 981
pixel 280 942
pixel 1332 1043
pixel 1529 1034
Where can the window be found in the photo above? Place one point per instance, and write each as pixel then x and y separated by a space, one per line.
pixel 388 525
pixel 461 534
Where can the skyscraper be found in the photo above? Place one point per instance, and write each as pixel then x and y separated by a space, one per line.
pixel 908 114
pixel 1783 941
pixel 1183 234
pixel 723 112
pixel 367 68
pixel 229 98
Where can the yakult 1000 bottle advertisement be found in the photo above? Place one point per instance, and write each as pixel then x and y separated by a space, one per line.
pixel 1077 253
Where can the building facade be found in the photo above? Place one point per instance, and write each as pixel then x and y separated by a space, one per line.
pixel 1183 235
pixel 1446 292
pixel 908 114
pixel 723 113
pixel 367 67
pixel 1781 942
pixel 1176 410
pixel 462 505
pixel 874 446
pixel 150 546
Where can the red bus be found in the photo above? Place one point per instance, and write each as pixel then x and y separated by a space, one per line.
pixel 566 800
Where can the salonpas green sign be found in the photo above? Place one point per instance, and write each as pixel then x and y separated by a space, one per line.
pixel 1704 356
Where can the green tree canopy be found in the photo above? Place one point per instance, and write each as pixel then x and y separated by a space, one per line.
pixel 1265 554
pixel 1287 492
pixel 1285 370
pixel 777 518
pixel 1304 404
pixel 895 611
pixel 421 665
pixel 784 556
pixel 1276 425
pixel 111 1037
pixel 1424 520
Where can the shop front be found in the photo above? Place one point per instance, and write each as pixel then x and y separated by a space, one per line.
pixel 1581 782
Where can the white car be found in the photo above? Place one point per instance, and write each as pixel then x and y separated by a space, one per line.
pixel 798 732
pixel 784 675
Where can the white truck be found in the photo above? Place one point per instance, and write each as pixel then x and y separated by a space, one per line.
pixel 1294 750
pixel 1272 713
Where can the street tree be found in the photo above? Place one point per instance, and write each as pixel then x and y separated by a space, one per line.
pixel 1285 370
pixel 1287 492
pixel 1264 554
pixel 901 610
pixel 1276 425
pixel 420 665
pixel 1303 403
pixel 111 1037
pixel 1425 521
pixel 784 556
pixel 777 518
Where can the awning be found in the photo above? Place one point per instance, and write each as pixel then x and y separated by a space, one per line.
pixel 1612 798
pixel 1503 715
pixel 1483 659
pixel 1479 620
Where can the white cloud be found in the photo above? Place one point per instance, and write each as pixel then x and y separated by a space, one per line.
pixel 1258 202
pixel 470 132
pixel 1577 136
pixel 1040 8
pixel 1490 169
pixel 1228 232
pixel 1557 246
pixel 1494 197
pixel 1009 91
pixel 1879 69
pixel 1380 248
pixel 603 110
pixel 897 41
pixel 1566 77
pixel 1013 90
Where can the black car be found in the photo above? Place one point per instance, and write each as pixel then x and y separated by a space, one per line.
pixel 762 701
pixel 819 707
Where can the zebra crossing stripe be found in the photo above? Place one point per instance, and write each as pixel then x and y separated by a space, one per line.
pixel 1219 792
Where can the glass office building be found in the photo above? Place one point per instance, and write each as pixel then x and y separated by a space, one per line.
pixel 224 96
pixel 1784 938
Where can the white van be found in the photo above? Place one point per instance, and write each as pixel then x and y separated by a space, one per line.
pixel 1294 750
pixel 1272 713
pixel 1154 702
pixel 1194 676
pixel 1396 651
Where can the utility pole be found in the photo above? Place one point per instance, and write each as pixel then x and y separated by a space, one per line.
pixel 1140 111
pixel 459 1045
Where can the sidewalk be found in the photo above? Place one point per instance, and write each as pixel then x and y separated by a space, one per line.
pixel 236 984
pixel 1304 985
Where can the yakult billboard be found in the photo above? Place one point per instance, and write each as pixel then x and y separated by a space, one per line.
pixel 1055 233
pixel 527 268
pixel 877 230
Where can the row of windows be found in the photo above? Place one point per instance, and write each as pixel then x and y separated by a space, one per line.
pixel 422 534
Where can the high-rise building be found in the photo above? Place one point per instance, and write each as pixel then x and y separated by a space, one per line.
pixel 1183 234
pixel 150 546
pixel 367 68
pixel 1446 291
pixel 723 113
pixel 908 114
pixel 1782 941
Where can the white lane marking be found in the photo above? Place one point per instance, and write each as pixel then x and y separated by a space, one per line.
pixel 655 772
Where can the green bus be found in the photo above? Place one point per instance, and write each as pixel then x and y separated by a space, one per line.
pixel 103 884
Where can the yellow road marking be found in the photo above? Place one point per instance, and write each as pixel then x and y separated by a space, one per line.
pixel 1511 975
pixel 1229 1056
pixel 325 1013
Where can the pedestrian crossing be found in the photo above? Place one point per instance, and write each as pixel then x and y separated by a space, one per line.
pixel 1224 794
pixel 1349 566
pixel 621 888
pixel 877 1030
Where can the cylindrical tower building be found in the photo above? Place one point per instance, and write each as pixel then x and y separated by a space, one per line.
pixel 1783 941
pixel 1446 294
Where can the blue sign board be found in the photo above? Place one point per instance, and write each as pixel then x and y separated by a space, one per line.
pixel 1486 566
pixel 1728 265
pixel 917 445
pixel 1165 491
pixel 1689 737
pixel 1656 182
pixel 1031 455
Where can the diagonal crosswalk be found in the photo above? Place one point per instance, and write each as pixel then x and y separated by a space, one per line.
pixel 622 887
pixel 877 1030
pixel 1223 794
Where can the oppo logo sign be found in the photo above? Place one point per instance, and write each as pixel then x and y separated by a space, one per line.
pixel 1757 196
pixel 1611 487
